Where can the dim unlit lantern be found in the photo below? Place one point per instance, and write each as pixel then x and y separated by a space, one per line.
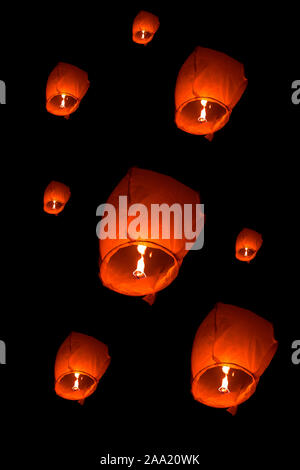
pixel 144 266
pixel 144 27
pixel 66 87
pixel 231 350
pixel 55 197
pixel 80 363
pixel 248 243
pixel 209 85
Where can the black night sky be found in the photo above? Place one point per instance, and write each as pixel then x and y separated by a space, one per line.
pixel 247 177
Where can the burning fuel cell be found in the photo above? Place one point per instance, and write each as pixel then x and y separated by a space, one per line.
pixel 140 268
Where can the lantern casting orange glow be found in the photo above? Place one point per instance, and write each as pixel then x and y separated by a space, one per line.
pixel 231 350
pixel 145 265
pixel 144 27
pixel 80 363
pixel 55 197
pixel 66 87
pixel 209 85
pixel 248 243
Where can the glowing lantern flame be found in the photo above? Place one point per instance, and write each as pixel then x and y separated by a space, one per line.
pixel 139 272
pixel 143 34
pixel 76 383
pixel 224 387
pixel 54 204
pixel 246 251
pixel 202 117
pixel 62 105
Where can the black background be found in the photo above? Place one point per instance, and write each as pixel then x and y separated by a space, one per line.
pixel 247 177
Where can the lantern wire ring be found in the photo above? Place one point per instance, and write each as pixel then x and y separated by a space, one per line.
pixel 199 98
pixel 87 392
pixel 141 241
pixel 232 365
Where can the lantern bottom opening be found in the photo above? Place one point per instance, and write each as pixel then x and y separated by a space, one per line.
pixel 242 256
pixel 202 116
pixel 50 209
pixel 51 205
pixel 120 270
pixel 62 104
pixel 66 385
pixel 207 385
pixel 142 37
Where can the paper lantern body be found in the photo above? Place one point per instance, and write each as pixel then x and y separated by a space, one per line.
pixel 84 356
pixel 144 27
pixel 248 243
pixel 55 197
pixel 209 85
pixel 235 338
pixel 66 87
pixel 162 257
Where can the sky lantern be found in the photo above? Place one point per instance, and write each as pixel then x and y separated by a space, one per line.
pixel 232 348
pixel 80 363
pixel 66 87
pixel 248 243
pixel 55 197
pixel 145 261
pixel 208 87
pixel 144 27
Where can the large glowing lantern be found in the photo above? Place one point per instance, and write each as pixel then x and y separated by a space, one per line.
pixel 80 363
pixel 146 262
pixel 209 85
pixel 144 27
pixel 66 87
pixel 231 350
pixel 56 196
pixel 248 243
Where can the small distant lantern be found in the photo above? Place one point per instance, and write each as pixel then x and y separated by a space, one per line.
pixel 55 197
pixel 80 363
pixel 148 263
pixel 144 27
pixel 209 85
pixel 66 87
pixel 231 350
pixel 248 243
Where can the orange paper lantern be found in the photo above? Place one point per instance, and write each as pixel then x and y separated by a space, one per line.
pixel 66 87
pixel 248 243
pixel 231 350
pixel 55 197
pixel 209 85
pixel 121 258
pixel 144 27
pixel 80 363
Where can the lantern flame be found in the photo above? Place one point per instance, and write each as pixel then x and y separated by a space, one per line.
pixel 54 204
pixel 246 251
pixel 76 383
pixel 143 34
pixel 139 272
pixel 202 117
pixel 63 102
pixel 224 387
